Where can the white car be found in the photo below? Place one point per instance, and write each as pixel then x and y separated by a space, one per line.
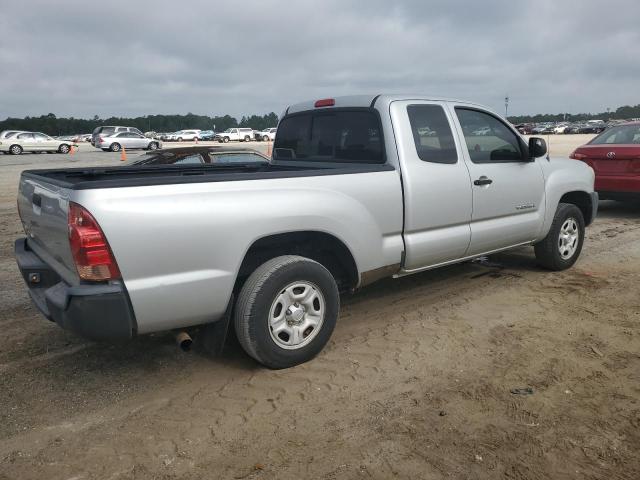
pixel 235 134
pixel 132 140
pixel 561 128
pixel 34 142
pixel 268 134
pixel 184 136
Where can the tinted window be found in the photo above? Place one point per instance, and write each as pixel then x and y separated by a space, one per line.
pixel 338 136
pixel 107 130
pixel 432 134
pixel 629 134
pixel 488 139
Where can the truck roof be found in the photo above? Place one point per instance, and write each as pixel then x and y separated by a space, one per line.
pixel 370 100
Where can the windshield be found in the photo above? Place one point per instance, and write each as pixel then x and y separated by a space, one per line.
pixel 241 157
pixel 623 134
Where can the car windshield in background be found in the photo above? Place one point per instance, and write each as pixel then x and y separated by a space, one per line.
pixel 347 136
pixel 242 157
pixel 623 134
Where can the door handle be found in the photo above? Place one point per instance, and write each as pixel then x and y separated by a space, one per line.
pixel 483 181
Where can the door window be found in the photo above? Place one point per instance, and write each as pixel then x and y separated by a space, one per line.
pixel 488 139
pixel 41 136
pixel 432 134
pixel 25 136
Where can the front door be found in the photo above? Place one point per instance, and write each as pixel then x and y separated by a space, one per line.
pixel 436 184
pixel 508 188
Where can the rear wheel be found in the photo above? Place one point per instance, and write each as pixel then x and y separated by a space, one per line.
pixel 247 138
pixel 15 149
pixel 561 247
pixel 286 311
pixel 115 147
pixel 180 139
pixel 153 146
pixel 64 148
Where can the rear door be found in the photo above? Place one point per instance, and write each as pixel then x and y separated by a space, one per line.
pixel 27 141
pixel 436 184
pixel 44 142
pixel 508 189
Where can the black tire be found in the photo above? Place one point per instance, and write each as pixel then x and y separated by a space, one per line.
pixel 64 148
pixel 265 138
pixel 255 301
pixel 548 250
pixel 115 147
pixel 15 150
pixel 152 146
pixel 180 139
pixel 225 139
pixel 247 138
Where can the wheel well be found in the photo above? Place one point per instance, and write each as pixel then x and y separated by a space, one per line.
pixel 321 247
pixel 582 200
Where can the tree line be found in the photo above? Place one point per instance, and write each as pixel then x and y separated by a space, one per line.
pixel 621 113
pixel 52 125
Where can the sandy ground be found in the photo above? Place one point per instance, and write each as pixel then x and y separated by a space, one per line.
pixel 415 383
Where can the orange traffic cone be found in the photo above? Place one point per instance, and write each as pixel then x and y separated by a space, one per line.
pixel 269 148
pixel 123 155
pixel 71 150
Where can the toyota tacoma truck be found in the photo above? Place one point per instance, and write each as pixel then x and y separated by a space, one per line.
pixel 358 188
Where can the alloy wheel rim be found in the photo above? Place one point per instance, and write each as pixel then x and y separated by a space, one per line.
pixel 296 315
pixel 568 239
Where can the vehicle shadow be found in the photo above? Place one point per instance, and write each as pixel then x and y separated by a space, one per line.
pixel 619 210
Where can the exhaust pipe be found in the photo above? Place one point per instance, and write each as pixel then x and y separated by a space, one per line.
pixel 184 341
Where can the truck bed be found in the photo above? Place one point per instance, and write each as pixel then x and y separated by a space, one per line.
pixel 132 176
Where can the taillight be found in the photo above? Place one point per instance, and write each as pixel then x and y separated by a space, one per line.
pixel 326 102
pixel 91 253
pixel 577 156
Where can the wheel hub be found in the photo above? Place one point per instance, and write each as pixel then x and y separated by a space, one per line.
pixel 294 314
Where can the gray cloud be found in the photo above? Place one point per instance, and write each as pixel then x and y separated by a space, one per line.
pixel 208 57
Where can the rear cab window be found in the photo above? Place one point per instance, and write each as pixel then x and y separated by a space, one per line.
pixel 432 134
pixel 343 135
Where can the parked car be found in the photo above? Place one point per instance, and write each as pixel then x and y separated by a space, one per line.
pixel 206 135
pixel 592 128
pixel 131 140
pixel 265 135
pixel 614 156
pixel 183 136
pixel 200 155
pixel 106 131
pixel 235 134
pixel 524 128
pixel 561 128
pixel 34 142
pixel 353 194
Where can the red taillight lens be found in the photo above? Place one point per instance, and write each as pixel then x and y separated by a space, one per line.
pixel 91 253
pixel 577 156
pixel 327 102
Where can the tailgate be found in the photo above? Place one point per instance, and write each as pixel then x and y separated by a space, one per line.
pixel 613 159
pixel 43 210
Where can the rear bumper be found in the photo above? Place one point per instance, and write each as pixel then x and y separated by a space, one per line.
pixel 94 311
pixel 626 184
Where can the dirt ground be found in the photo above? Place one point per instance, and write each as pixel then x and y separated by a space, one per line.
pixel 415 383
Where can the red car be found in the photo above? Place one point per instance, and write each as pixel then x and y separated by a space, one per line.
pixel 614 155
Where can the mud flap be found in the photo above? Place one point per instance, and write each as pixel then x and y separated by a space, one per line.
pixel 214 335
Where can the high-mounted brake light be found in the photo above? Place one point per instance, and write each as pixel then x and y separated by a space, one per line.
pixel 91 253
pixel 577 156
pixel 326 102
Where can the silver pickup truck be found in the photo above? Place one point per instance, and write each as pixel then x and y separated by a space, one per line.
pixel 359 188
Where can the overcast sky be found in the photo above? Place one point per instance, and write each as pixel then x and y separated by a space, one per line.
pixel 129 58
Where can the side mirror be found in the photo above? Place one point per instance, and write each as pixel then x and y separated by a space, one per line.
pixel 537 148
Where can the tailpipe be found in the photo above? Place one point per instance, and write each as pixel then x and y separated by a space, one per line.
pixel 184 341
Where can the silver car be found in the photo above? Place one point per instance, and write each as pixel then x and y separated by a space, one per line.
pixel 131 140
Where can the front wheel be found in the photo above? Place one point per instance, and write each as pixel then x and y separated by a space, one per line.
pixel 225 139
pixel 153 146
pixel 265 138
pixel 286 311
pixel 561 247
